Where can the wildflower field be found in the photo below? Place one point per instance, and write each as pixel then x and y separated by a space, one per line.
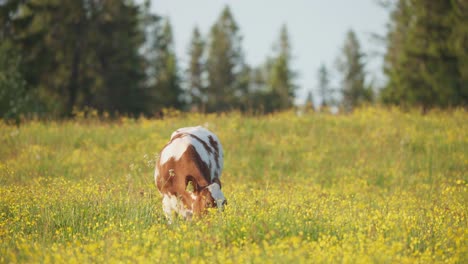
pixel 375 186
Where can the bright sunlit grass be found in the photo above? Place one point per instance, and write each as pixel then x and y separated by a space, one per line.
pixel 377 186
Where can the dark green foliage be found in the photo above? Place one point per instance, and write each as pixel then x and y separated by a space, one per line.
pixel 119 65
pixel 79 54
pixel 281 79
pixel 115 56
pixel 324 88
pixel 426 60
pixel 222 81
pixel 118 58
pixel 257 97
pixel 14 98
pixel 164 79
pixel 309 102
pixel 351 66
pixel 225 64
pixel 272 86
pixel 196 82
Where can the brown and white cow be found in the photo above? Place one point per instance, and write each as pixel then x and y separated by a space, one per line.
pixel 188 172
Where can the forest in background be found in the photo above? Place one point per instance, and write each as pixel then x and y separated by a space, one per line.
pixel 117 57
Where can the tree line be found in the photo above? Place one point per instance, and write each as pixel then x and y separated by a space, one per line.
pixel 115 56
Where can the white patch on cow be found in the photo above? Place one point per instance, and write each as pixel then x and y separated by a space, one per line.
pixel 217 194
pixel 174 150
pixel 172 204
pixel 208 157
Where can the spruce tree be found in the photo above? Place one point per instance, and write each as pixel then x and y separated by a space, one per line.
pixel 257 97
pixel 79 53
pixel 166 89
pixel 426 56
pixel 281 76
pixel 351 67
pixel 195 77
pixel 225 63
pixel 114 65
pixel 14 97
pixel 324 89
pixel 309 103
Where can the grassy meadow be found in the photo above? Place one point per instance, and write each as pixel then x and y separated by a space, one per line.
pixel 375 186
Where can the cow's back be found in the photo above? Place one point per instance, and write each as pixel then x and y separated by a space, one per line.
pixel 191 151
pixel 207 145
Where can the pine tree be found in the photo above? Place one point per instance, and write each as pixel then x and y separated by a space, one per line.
pixel 196 82
pixel 456 45
pixel 257 96
pixel 324 89
pixel 242 88
pixel 309 103
pixel 281 76
pixel 353 78
pixel 14 97
pixel 166 88
pixel 424 62
pixel 79 53
pixel 26 25
pixel 271 85
pixel 225 64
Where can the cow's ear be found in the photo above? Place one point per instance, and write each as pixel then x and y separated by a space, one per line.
pixel 191 184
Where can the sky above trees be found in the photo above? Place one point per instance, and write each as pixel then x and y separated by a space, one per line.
pixel 317 31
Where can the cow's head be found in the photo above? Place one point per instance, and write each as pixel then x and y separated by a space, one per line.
pixel 205 197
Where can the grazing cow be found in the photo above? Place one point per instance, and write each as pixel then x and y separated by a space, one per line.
pixel 188 172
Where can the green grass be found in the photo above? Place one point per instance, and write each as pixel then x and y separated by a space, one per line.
pixel 378 186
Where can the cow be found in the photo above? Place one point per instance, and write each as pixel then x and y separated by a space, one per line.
pixel 188 173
